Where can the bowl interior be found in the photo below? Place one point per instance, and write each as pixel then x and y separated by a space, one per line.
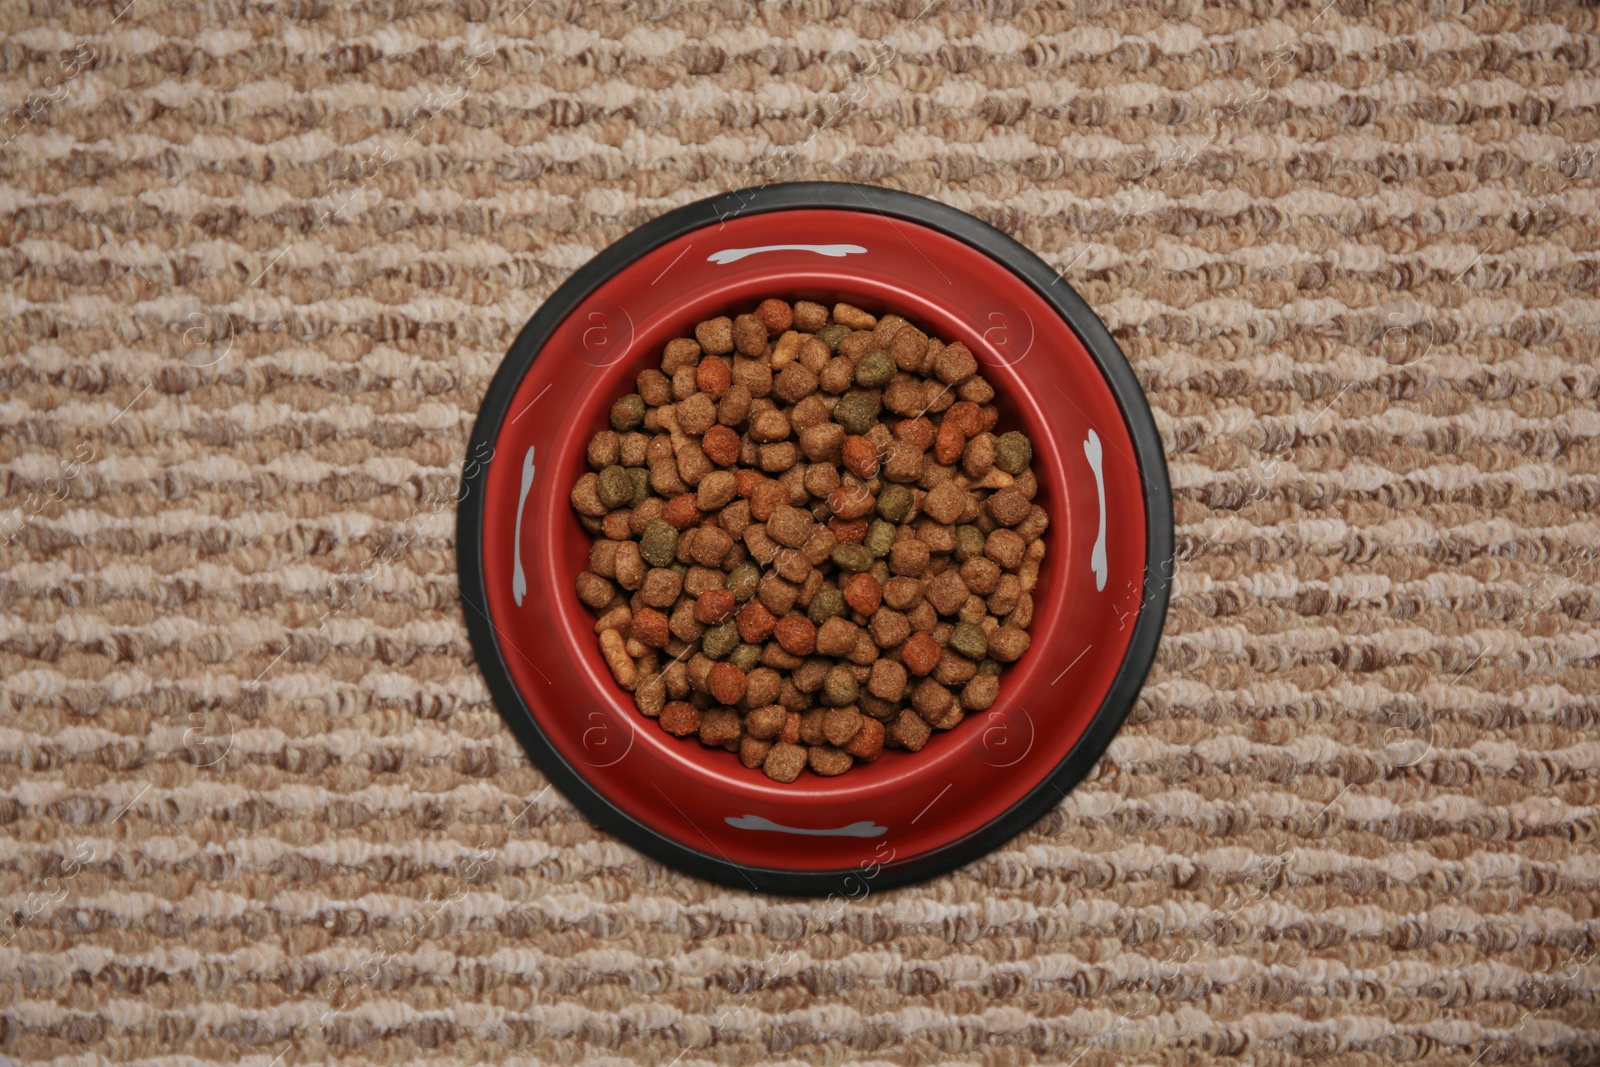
pixel 1046 385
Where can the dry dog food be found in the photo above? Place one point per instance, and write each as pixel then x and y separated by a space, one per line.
pixel 812 540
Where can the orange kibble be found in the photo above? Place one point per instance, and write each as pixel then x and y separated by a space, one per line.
pixel 921 653
pixel 919 432
pixel 791 729
pixel 853 531
pixel 715 606
pixel 965 414
pixel 721 446
pixel 651 627
pixel 747 480
pixel 863 593
pixel 681 512
pixel 766 498
pixel 713 376
pixel 950 443
pixel 860 457
pixel 755 622
pixel 796 635
pixel 726 683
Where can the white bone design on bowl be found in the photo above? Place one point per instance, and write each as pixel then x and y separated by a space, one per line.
pixel 856 829
pixel 733 255
pixel 1097 560
pixel 519 580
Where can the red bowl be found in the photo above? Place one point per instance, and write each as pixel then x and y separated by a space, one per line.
pixel 1099 603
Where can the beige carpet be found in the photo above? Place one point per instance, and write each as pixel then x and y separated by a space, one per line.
pixel 260 261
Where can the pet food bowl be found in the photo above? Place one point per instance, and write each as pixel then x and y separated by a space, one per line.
pixel 1102 589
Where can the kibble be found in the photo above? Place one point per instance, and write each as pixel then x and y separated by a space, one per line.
pixel 812 538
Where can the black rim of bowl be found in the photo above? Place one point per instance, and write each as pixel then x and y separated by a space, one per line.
pixel 1136 414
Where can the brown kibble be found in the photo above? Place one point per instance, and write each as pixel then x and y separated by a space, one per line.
pixel 680 718
pixel 978 458
pixel 920 653
pixel 1005 547
pixel 794 383
pixel 981 575
pixel 901 592
pixel 909 731
pixel 887 680
pixel 1007 507
pixel 853 317
pixel 908 347
pixel 762 687
pixel 715 490
pixel 946 592
pixel 784 762
pixel 909 557
pixel 954 364
pixel 796 634
pixel 766 722
pixel 594 591
pixel 1008 643
pixel 661 587
pixel 863 593
pixel 946 503
pixel 726 683
pixel 811 723
pixel 981 692
pixel 936 704
pixel 837 636
pixel 790 526
pixel 775 315
pixel 839 725
pixel 837 376
pixel 810 316
pixel 756 623
pixel 715 607
pixel 749 335
pixel 715 335
pixel 889 627
pixel 823 443
pixel 769 425
pixel 829 761
pixel 753 752
pixel 710 546
pixel 719 728
pixel 680 352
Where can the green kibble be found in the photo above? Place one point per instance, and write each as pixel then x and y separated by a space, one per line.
pixel 839 688
pixel 825 605
pixel 969 543
pixel 640 477
pixel 894 503
pixel 832 335
pixel 969 640
pixel 875 370
pixel 856 412
pixel 743 580
pixel 1013 452
pixel 986 665
pixel 616 487
pixel 720 641
pixel 880 572
pixel 627 413
pixel 852 557
pixel 746 657
pixel 658 544
pixel 880 538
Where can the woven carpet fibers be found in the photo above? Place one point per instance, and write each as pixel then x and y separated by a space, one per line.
pixel 261 260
